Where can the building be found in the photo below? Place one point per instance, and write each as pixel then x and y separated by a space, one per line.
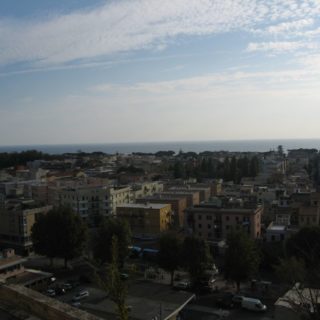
pixel 91 201
pixel 210 222
pixel 16 221
pixel 11 265
pixel 13 271
pixel 146 218
pixel 204 192
pixel 276 233
pixel 146 189
pixel 193 197
pixel 178 205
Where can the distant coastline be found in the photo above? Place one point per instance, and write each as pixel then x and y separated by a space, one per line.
pixel 195 146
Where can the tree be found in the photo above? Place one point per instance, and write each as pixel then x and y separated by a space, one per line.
pixel 303 286
pixel 103 239
pixel 291 271
pixel 254 166
pixel 305 245
pixel 179 170
pixel 112 282
pixel 60 233
pixel 169 253
pixel 242 257
pixel 196 257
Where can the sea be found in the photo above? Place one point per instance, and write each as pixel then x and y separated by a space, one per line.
pixel 185 146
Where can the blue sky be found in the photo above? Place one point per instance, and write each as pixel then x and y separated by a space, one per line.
pixel 82 71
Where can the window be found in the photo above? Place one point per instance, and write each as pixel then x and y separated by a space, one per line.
pixel 209 217
pixel 200 225
pixel 227 218
pixel 199 216
pixel 209 226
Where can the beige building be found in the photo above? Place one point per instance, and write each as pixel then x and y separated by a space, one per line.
pixel 16 221
pixel 212 223
pixel 146 219
pixel 145 189
pixel 90 201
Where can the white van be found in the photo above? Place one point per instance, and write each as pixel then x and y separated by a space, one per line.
pixel 253 304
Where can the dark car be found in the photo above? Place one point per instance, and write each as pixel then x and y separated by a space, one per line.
pixel 60 291
pixel 205 285
pixel 224 301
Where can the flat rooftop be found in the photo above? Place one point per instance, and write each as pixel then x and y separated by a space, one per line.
pixel 12 261
pixel 276 228
pixel 144 205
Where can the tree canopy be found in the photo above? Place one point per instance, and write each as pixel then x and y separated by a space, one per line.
pixel 60 233
pixel 242 257
pixel 169 256
pixel 305 245
pixel 196 257
pixel 102 242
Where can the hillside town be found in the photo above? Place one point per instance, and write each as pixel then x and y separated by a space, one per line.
pixel 210 235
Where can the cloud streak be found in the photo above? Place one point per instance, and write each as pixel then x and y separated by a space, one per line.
pixel 131 25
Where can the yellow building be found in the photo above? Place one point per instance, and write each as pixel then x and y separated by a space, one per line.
pixel 146 218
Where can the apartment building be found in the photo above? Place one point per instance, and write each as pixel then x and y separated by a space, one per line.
pixel 204 192
pixel 178 205
pixel 16 220
pixel 90 201
pixel 210 222
pixel 146 189
pixel 146 219
pixel 193 197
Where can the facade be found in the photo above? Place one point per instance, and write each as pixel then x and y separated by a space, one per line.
pixel 214 223
pixel 193 197
pixel 16 221
pixel 10 264
pixel 91 201
pixel 146 189
pixel 204 192
pixel 146 219
pixel 178 206
pixel 276 233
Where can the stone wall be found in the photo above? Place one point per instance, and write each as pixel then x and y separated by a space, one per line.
pixel 35 303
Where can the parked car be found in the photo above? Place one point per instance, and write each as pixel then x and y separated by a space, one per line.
pixel 253 304
pixel 224 301
pixel 67 286
pixel 182 285
pixel 60 291
pixel 51 292
pixel 76 304
pixel 80 295
pixel 124 276
pixel 205 284
pixel 237 299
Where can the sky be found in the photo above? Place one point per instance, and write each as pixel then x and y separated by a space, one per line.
pixel 108 71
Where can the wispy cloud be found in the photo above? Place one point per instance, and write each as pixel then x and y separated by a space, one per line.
pixel 280 46
pixel 291 26
pixel 129 25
